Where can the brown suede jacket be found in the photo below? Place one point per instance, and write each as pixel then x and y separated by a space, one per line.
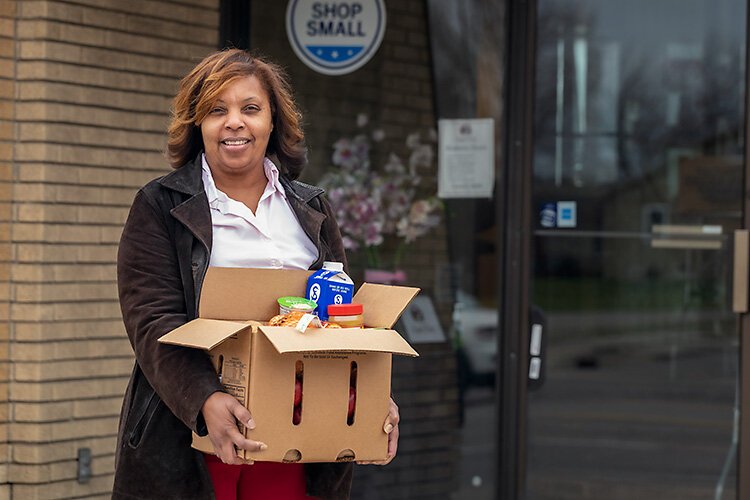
pixel 163 256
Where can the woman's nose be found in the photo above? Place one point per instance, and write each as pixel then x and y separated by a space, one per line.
pixel 234 120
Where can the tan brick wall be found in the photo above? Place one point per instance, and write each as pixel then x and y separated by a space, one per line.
pixel 92 82
pixel 7 141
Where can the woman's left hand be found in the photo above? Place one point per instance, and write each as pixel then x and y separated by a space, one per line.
pixel 391 428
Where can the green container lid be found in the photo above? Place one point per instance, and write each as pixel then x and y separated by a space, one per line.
pixel 296 304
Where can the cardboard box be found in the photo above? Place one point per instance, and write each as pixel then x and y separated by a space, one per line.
pixel 257 364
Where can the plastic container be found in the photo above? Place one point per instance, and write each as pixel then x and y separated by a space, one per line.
pixel 347 315
pixel 289 304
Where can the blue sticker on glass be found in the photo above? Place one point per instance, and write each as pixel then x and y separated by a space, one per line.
pixel 548 215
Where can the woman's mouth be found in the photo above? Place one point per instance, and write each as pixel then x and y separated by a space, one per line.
pixel 235 142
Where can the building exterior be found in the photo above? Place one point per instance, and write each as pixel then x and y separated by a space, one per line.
pixel 86 92
pixel 592 309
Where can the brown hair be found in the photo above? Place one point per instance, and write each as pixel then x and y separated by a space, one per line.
pixel 202 86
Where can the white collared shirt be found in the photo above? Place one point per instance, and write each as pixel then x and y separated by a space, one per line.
pixel 271 238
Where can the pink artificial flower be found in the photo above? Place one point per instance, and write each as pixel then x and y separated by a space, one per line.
pixel 349 244
pixel 394 165
pixel 371 204
pixel 422 156
pixel 343 153
pixel 412 140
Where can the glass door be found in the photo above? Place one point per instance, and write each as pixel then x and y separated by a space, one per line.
pixel 638 182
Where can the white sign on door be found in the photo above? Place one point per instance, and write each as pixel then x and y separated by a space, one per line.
pixel 466 158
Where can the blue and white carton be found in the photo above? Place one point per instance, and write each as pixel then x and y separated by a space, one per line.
pixel 330 285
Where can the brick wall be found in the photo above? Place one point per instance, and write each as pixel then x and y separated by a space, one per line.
pixel 395 89
pixel 93 84
pixel 7 139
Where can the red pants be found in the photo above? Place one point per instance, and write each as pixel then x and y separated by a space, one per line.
pixel 259 481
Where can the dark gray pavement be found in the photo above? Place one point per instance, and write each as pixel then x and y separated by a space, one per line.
pixel 625 413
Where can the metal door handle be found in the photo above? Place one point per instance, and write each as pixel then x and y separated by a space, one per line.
pixel 740 272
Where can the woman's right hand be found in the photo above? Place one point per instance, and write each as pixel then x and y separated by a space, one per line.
pixel 221 412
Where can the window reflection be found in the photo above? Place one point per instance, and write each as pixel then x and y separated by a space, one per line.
pixel 639 122
pixel 467 54
pixel 623 86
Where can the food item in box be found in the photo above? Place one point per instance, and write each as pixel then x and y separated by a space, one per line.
pixel 352 404
pixel 298 386
pixel 288 319
pixel 329 286
pixel 289 304
pixel 297 414
pixel 352 395
pixel 296 319
pixel 297 392
pixel 300 321
pixel 347 315
pixel 292 456
pixel 329 324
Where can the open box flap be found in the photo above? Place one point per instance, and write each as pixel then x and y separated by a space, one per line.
pixel 203 333
pixel 243 293
pixel 286 339
pixel 383 304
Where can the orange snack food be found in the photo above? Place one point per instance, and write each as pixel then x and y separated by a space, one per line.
pixel 288 319
pixel 293 318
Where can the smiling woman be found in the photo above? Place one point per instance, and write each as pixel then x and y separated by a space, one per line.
pixel 206 85
pixel 235 137
pixel 237 147
pixel 236 130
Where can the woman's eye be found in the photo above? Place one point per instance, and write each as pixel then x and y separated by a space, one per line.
pixel 215 111
pixel 251 109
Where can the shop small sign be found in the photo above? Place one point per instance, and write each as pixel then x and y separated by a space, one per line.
pixel 335 38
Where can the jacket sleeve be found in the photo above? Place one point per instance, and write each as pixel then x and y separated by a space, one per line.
pixel 152 302
pixel 332 234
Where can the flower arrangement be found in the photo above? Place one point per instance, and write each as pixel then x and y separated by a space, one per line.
pixel 374 204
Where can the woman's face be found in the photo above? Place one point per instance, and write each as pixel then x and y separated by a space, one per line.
pixel 236 130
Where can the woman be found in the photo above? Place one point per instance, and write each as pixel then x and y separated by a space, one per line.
pixel 227 203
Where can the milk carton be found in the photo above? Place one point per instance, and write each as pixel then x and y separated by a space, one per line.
pixel 330 285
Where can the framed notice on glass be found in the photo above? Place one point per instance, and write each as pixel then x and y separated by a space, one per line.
pixel 466 159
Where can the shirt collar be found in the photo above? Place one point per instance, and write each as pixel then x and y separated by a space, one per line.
pixel 272 174
pixel 208 183
pixel 269 168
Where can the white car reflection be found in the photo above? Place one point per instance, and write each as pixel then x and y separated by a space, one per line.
pixel 476 328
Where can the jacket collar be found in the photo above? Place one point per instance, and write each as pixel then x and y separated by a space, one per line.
pixel 188 179
pixel 300 190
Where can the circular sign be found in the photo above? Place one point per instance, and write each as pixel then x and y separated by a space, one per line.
pixel 335 38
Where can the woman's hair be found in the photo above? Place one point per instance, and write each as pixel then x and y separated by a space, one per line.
pixel 203 85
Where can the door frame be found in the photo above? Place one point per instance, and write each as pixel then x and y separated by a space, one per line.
pixel 743 451
pixel 514 195
pixel 514 248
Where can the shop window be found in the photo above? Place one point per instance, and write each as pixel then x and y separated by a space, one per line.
pixel 234 24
